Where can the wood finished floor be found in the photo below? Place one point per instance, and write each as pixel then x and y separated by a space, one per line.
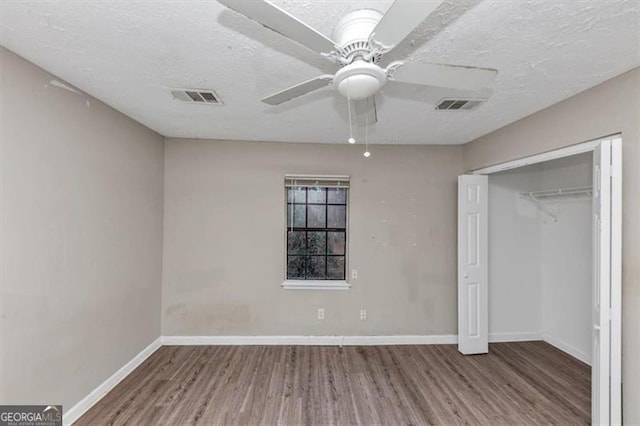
pixel 517 383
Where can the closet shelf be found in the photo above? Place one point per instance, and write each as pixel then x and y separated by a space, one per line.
pixel 537 196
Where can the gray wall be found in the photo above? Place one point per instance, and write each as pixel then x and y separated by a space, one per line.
pixel 611 107
pixel 81 238
pixel 224 240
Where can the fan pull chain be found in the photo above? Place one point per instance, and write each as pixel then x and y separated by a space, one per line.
pixel 351 139
pixel 366 138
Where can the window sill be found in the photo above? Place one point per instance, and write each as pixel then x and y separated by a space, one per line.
pixel 316 285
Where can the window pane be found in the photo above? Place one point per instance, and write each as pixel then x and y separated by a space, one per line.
pixel 335 267
pixel 335 242
pixel 296 195
pixel 299 219
pixel 336 196
pixel 295 268
pixel 296 243
pixel 316 242
pixel 317 216
pixel 317 195
pixel 337 216
pixel 315 267
pixel 313 252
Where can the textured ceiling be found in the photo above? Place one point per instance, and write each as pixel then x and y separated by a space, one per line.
pixel 128 53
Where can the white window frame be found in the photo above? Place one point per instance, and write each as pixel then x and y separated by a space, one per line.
pixel 340 180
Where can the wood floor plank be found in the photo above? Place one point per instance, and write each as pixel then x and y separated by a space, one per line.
pixel 516 383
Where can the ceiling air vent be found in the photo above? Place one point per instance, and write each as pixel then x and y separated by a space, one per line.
pixel 197 96
pixel 459 104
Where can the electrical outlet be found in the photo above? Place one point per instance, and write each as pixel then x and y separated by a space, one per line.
pixel 320 314
pixel 354 274
pixel 363 314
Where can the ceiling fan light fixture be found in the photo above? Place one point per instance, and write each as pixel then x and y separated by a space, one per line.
pixel 359 80
pixel 359 87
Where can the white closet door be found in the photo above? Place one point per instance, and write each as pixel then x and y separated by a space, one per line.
pixel 605 369
pixel 473 310
pixel 616 283
pixel 600 363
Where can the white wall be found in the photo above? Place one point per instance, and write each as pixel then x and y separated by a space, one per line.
pixel 566 278
pixel 566 259
pixel 515 296
pixel 81 194
pixel 540 270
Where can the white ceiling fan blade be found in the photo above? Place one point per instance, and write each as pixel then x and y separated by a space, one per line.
pixel 366 111
pixel 280 21
pixel 449 76
pixel 299 90
pixel 402 17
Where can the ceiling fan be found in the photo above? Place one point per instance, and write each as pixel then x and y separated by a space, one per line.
pixel 360 38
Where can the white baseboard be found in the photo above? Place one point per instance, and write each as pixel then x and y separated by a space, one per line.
pixel 88 401
pixel 311 340
pixel 436 339
pixel 514 337
pixel 567 348
pixel 444 339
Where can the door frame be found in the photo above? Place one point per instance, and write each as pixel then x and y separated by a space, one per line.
pixel 615 284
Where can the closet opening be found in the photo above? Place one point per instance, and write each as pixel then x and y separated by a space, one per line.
pixel 539 260
pixel 541 254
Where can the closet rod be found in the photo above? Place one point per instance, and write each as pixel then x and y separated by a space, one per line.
pixel 560 192
pixel 537 196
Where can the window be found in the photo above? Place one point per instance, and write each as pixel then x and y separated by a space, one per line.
pixel 316 227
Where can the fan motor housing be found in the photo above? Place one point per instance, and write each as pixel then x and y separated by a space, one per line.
pixel 359 80
pixel 352 33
